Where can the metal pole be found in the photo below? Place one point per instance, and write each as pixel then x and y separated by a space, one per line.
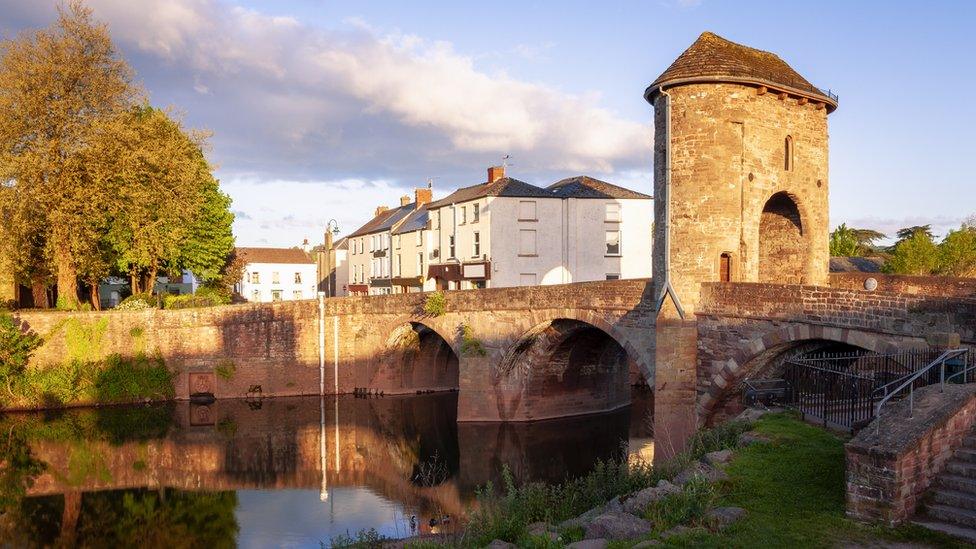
pixel 321 343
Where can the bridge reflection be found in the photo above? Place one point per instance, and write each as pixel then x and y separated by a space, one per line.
pixel 59 469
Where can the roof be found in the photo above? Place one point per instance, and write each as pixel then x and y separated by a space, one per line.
pixel 414 222
pixel 714 59
pixel 384 221
pixel 856 264
pixel 275 255
pixel 584 186
pixel 506 186
pixel 341 244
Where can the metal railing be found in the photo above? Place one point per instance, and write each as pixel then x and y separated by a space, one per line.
pixel 937 366
pixel 835 397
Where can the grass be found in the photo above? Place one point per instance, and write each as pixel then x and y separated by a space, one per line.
pixel 793 490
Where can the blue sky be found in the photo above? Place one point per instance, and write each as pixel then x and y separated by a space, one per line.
pixel 328 109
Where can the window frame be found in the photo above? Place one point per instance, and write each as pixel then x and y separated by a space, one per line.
pixel 619 251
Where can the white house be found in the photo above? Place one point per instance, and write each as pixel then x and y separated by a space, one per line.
pixel 277 274
pixel 507 232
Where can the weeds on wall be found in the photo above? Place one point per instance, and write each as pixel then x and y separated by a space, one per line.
pixel 470 345
pixel 226 369
pixel 435 304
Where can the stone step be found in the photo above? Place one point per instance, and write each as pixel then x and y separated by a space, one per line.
pixel 954 498
pixel 952 515
pixel 965 454
pixel 968 534
pixel 961 468
pixel 958 483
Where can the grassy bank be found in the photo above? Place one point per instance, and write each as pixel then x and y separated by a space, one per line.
pixel 792 488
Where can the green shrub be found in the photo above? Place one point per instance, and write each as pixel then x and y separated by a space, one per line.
pixel 364 539
pixel 137 302
pixel 435 304
pixel 205 296
pixel 226 369
pixel 16 348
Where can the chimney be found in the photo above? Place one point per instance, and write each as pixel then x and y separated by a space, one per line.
pixel 422 196
pixel 495 173
pixel 404 200
pixel 379 210
pixel 305 246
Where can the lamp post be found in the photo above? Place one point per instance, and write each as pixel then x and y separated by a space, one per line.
pixel 331 229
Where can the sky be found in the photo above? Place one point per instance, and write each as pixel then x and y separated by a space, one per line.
pixel 327 109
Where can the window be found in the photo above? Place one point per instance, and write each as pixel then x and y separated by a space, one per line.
pixel 386 267
pixel 275 279
pixel 613 276
pixel 435 220
pixel 255 278
pixel 362 245
pixel 296 295
pixel 256 295
pixel 396 265
pixel 464 215
pixel 788 154
pixel 420 264
pixel 725 267
pixel 386 240
pixel 527 242
pixel 396 241
pixel 420 238
pixel 298 278
pixel 372 243
pixel 477 245
pixel 450 245
pixel 275 295
pixel 526 211
pixel 475 212
pixel 613 212
pixel 613 242
pixel 527 279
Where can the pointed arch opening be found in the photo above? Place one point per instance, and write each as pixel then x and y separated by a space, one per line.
pixel 782 249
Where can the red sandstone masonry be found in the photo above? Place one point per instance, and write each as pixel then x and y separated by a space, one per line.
pixel 916 285
pixel 890 468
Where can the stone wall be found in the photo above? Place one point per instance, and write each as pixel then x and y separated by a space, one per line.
pixel 232 350
pixel 900 284
pixel 742 327
pixel 892 462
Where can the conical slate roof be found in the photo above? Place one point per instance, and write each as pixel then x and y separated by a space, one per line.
pixel 714 59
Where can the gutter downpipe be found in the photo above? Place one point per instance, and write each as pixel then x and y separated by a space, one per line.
pixel 667 289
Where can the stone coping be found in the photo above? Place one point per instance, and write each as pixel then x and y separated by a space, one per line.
pixel 899 433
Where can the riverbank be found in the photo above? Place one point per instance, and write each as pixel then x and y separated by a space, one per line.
pixel 781 485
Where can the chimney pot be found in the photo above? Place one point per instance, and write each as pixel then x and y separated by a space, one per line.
pixel 495 173
pixel 379 210
pixel 404 200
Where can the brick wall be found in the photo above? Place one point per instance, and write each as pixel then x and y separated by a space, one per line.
pixel 891 466
pixel 919 285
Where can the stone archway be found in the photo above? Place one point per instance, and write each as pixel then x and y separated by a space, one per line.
pixel 415 358
pixel 782 246
pixel 562 367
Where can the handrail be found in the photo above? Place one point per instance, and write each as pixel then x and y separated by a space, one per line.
pixel 962 373
pixel 910 380
pixel 829 371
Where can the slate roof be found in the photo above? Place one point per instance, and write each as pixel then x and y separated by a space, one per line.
pixel 714 59
pixel 275 255
pixel 341 244
pixel 856 264
pixel 584 186
pixel 384 221
pixel 415 221
pixel 506 186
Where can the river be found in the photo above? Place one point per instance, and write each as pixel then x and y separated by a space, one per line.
pixel 249 473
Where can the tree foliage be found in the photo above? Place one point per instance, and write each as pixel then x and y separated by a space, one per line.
pixel 97 181
pixel 850 242
pixel 957 253
pixel 916 254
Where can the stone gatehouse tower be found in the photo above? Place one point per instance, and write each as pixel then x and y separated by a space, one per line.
pixel 743 138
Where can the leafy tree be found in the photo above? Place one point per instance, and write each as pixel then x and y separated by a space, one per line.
pixel 843 242
pixel 56 84
pixel 957 253
pixel 866 239
pixel 908 232
pixel 915 255
pixel 16 348
pixel 210 240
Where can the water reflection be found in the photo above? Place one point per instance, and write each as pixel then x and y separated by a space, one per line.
pixel 250 473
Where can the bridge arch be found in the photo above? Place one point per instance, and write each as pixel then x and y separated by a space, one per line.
pixel 761 356
pixel 562 367
pixel 416 357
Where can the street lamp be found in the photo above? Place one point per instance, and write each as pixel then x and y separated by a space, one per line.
pixel 331 230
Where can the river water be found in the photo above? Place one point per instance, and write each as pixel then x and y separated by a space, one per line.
pixel 249 473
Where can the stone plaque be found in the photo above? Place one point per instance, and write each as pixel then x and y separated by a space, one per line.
pixel 201 382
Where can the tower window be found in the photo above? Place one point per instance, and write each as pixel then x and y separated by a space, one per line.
pixel 788 154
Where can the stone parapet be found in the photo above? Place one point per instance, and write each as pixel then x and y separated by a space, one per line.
pixel 892 462
pixel 939 286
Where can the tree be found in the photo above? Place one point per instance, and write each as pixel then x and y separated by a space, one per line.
pixel 210 240
pixel 957 253
pixel 915 255
pixel 866 239
pixel 843 242
pixel 908 232
pixel 56 84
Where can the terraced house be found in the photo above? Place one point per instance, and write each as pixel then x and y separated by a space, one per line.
pixel 505 232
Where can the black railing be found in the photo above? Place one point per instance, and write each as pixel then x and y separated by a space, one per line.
pixel 843 390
